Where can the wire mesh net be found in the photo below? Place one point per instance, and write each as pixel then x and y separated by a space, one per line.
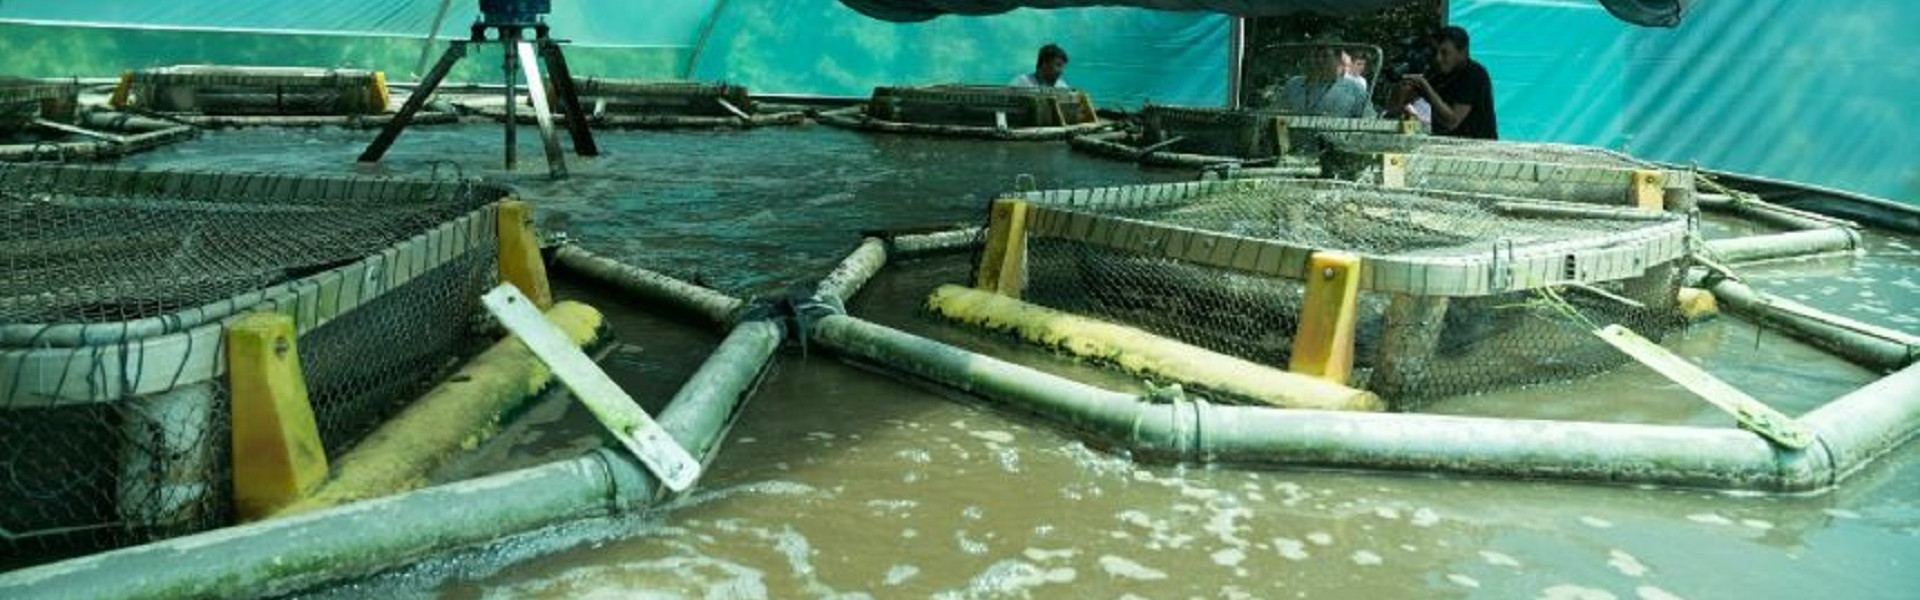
pixel 113 416
pixel 1459 293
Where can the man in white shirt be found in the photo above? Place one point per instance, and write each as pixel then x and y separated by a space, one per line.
pixel 1047 70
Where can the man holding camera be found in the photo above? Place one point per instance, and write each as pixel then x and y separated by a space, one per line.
pixel 1459 90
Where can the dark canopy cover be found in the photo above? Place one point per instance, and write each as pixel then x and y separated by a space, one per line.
pixel 1649 13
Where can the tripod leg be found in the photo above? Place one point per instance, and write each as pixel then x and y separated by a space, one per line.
pixel 513 120
pixel 569 99
pixel 556 162
pixel 455 51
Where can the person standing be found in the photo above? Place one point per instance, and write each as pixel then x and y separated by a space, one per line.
pixel 1048 70
pixel 1459 90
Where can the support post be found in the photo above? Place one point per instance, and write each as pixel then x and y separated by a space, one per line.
pixel 542 114
pixel 1649 190
pixel 1393 170
pixel 1323 345
pixel 1003 265
pixel 520 262
pixel 167 455
pixel 569 97
pixel 1282 139
pixel 277 455
pixel 1407 348
pixel 415 101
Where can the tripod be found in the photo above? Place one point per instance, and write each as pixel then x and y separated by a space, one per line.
pixel 520 52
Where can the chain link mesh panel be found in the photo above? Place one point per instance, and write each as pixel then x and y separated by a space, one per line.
pixel 1191 262
pixel 113 412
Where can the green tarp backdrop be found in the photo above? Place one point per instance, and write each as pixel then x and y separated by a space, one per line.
pixel 1819 92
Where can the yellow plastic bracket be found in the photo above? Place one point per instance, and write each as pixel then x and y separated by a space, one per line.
pixel 1649 189
pixel 277 456
pixel 1393 170
pixel 122 91
pixel 381 95
pixel 1409 126
pixel 520 262
pixel 1003 265
pixel 1323 344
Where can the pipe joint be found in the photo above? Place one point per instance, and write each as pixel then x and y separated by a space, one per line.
pixel 1168 425
pixel 628 488
pixel 1809 470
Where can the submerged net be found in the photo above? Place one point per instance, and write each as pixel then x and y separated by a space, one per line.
pixel 113 419
pixel 1507 289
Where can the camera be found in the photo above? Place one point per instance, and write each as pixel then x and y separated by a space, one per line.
pixel 521 13
pixel 1414 56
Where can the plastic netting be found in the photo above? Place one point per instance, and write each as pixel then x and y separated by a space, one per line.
pixel 113 413
pixel 1460 292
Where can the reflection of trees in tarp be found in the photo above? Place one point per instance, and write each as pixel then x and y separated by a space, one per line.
pixel 1650 13
pixel 1120 56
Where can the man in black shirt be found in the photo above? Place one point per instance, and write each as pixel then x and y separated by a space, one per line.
pixel 1459 89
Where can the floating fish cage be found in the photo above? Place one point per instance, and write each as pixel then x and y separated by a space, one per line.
pixel 1454 292
pixel 119 292
pixel 1543 171
pixel 658 104
pixel 675 98
pixel 23 100
pixel 1203 137
pixel 41 121
pixel 973 111
pixel 239 96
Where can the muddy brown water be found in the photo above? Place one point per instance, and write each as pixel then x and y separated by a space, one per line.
pixel 842 481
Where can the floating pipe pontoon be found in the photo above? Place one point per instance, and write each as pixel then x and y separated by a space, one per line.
pixel 1791 244
pixel 1867 345
pixel 716 307
pixel 965 238
pixel 1196 431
